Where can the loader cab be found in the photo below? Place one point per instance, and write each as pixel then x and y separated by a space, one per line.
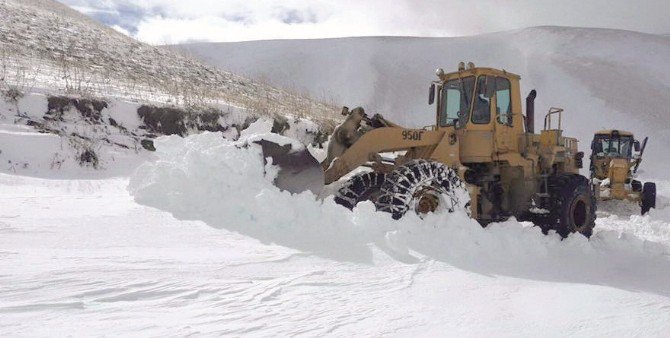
pixel 483 107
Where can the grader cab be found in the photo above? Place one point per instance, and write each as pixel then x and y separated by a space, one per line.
pixel 615 158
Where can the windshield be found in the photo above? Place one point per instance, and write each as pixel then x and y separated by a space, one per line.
pixel 613 146
pixel 456 99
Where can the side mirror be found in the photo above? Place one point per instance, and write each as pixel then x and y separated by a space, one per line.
pixel 431 94
pixel 636 145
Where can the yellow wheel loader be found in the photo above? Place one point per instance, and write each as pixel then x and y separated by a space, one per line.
pixel 482 154
pixel 615 157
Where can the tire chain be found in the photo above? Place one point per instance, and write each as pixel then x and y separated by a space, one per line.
pixel 355 189
pixel 398 189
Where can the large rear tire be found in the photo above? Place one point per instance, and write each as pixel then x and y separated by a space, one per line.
pixel 572 205
pixel 424 186
pixel 648 197
pixel 361 187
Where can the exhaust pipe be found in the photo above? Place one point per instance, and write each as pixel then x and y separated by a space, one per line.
pixel 530 111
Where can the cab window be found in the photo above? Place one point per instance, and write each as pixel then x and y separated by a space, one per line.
pixel 612 146
pixel 456 98
pixel 503 101
pixel 481 111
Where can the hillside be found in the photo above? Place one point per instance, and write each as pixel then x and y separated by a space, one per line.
pixel 603 78
pixel 80 99
pixel 44 44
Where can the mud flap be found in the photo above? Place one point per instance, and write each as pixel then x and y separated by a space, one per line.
pixel 299 171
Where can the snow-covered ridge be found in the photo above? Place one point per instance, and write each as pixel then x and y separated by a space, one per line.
pixel 44 44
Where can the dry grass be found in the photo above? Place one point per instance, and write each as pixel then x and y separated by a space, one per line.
pixel 78 56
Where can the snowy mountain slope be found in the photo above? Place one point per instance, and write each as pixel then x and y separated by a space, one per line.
pixel 138 92
pixel 203 244
pixel 603 78
pixel 45 44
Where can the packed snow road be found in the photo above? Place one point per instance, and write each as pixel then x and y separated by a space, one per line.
pixel 199 242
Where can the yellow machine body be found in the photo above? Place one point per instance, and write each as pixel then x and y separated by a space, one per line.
pixel 484 135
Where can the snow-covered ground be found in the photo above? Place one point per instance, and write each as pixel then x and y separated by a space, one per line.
pixel 199 242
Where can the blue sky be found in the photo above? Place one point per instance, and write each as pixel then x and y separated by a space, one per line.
pixel 177 21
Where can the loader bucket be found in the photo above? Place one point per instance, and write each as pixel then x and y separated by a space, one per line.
pixel 298 170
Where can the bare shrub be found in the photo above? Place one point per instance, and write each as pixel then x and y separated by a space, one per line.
pixel 88 157
pixel 166 121
pixel 12 95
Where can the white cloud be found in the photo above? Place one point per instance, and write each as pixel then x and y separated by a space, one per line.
pixel 176 21
pixel 121 30
pixel 303 20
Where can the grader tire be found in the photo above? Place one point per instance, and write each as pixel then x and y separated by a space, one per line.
pixel 572 205
pixel 361 187
pixel 648 197
pixel 422 185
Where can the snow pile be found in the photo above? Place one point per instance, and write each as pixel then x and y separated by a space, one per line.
pixel 623 216
pixel 224 184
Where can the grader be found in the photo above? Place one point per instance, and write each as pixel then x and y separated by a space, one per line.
pixel 481 146
pixel 615 157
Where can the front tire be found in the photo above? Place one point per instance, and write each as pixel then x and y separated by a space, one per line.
pixel 648 197
pixel 572 205
pixel 424 186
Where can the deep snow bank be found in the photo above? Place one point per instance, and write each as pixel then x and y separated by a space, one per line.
pixel 223 183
